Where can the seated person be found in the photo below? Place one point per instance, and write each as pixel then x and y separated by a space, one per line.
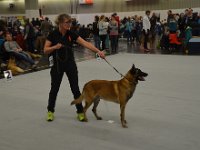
pixel 13 48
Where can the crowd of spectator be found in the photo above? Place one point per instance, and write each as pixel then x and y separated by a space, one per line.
pixel 145 29
pixel 148 32
pixel 18 41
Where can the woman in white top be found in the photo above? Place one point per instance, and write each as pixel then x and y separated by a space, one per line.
pixel 103 31
pixel 146 29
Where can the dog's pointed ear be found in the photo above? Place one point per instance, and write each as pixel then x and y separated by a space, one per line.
pixel 133 66
pixel 133 69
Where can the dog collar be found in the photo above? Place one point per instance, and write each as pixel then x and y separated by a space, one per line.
pixel 132 82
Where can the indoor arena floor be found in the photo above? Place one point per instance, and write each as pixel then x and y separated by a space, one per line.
pixel 163 113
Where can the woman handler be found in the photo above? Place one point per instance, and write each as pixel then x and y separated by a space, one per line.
pixel 59 47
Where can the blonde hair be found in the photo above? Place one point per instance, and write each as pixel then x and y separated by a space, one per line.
pixel 61 18
pixel 102 17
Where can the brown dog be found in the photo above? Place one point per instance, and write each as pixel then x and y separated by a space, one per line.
pixel 13 67
pixel 119 91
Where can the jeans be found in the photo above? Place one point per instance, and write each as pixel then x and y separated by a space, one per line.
pixel 97 41
pixel 113 40
pixel 24 56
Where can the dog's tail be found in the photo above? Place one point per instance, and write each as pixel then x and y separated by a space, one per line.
pixel 78 100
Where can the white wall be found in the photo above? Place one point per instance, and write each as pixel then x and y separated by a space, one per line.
pixel 89 18
pixel 32 14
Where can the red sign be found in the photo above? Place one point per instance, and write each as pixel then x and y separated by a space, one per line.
pixel 85 1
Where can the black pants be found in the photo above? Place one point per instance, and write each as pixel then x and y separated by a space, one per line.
pixel 146 38
pixel 56 77
pixel 30 44
pixel 113 41
pixel 103 39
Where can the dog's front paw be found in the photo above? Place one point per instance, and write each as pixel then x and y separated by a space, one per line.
pixel 124 126
pixel 124 122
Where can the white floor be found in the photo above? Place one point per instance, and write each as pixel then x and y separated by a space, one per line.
pixel 163 114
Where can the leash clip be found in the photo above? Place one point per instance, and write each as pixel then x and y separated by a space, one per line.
pixel 98 57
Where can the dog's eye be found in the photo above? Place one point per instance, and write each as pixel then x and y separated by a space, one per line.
pixel 136 71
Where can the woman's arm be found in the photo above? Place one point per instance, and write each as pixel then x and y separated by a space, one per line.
pixel 7 47
pixel 18 47
pixel 90 46
pixel 49 49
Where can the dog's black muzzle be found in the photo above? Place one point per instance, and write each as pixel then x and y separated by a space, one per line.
pixel 140 75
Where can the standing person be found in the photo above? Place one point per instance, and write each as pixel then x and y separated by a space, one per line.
pixel 29 36
pixel 103 31
pixel 152 39
pixel 46 27
pixel 146 29
pixel 138 29
pixel 59 47
pixel 37 23
pixel 118 22
pixel 95 31
pixel 2 28
pixel 33 22
pixel 113 27
pixel 107 36
pixel 128 29
pixel 169 15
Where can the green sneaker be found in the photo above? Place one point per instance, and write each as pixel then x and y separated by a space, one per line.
pixel 81 117
pixel 50 116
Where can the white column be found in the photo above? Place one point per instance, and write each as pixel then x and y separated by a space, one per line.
pixel 32 14
pixel 32 9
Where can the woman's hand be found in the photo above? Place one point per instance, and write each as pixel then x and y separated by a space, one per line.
pixel 101 54
pixel 58 46
pixel 19 49
pixel 1 32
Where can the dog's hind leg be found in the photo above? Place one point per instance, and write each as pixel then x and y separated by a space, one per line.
pixel 94 109
pixel 88 102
